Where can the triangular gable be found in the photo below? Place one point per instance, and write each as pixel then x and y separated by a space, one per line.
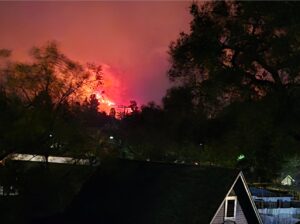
pixel 239 216
pixel 288 177
pixel 245 200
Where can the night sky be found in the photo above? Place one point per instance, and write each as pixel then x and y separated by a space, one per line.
pixel 130 39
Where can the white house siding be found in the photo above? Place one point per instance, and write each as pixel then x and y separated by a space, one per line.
pixel 280 215
pixel 240 217
pixel 219 218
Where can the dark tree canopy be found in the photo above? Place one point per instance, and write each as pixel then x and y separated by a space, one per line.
pixel 239 65
pixel 237 51
pixel 38 100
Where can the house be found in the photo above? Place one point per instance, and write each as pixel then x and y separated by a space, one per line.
pixel 288 181
pixel 158 193
pixel 267 196
pixel 276 206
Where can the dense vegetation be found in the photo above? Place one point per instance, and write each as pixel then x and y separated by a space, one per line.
pixel 236 92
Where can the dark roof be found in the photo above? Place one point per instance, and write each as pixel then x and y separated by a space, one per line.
pixel 143 192
pixel 259 192
pixel 42 191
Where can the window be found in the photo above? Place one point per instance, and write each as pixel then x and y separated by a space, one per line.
pixel 230 208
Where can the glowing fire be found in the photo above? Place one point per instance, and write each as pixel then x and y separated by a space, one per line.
pixel 105 103
pixel 108 102
pixel 111 93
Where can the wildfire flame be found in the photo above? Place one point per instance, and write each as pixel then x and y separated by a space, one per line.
pixel 111 93
pixel 105 103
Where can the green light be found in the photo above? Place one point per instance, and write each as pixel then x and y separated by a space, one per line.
pixel 240 157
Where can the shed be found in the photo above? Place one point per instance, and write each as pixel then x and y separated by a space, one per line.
pixel 288 181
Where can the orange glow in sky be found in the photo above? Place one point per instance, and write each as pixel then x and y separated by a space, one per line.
pixel 129 38
pixel 110 94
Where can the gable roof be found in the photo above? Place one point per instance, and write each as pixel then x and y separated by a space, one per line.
pixel 245 199
pixel 143 192
pixel 264 193
pixel 288 177
pixel 260 192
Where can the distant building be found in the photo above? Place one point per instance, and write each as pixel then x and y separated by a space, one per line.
pixel 159 193
pixel 288 181
pixel 263 195
pixel 8 191
pixel 276 206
